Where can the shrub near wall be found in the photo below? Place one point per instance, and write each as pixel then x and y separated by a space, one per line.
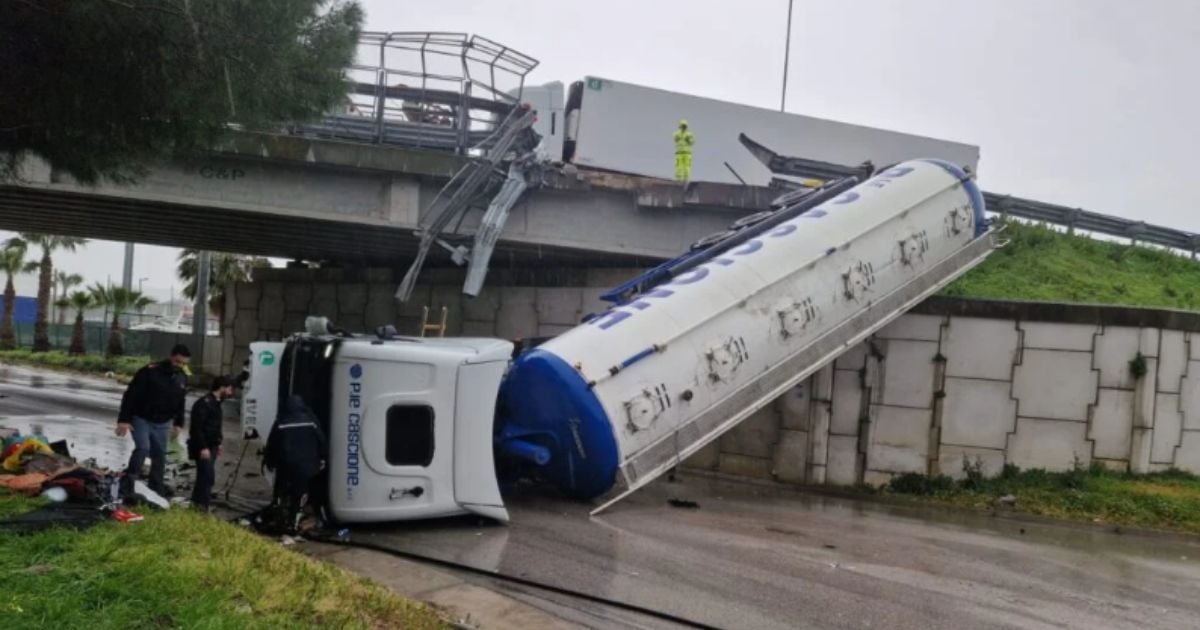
pixel 92 363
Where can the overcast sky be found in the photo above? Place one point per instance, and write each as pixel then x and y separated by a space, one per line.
pixel 1088 103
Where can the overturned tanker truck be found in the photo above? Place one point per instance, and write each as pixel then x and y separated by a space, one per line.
pixel 424 427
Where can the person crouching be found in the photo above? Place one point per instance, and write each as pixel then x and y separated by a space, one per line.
pixel 296 452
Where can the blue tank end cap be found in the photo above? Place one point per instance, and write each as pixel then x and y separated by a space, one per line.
pixel 973 192
pixel 549 404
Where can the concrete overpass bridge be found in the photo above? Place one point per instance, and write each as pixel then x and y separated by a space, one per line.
pixel 359 204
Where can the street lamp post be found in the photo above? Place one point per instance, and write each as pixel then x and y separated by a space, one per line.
pixel 787 54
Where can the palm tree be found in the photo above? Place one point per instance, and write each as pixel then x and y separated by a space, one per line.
pixel 227 269
pixel 80 301
pixel 49 244
pixel 12 262
pixel 63 283
pixel 119 300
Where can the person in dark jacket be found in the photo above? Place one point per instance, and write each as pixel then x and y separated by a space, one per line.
pixel 296 452
pixel 204 439
pixel 151 407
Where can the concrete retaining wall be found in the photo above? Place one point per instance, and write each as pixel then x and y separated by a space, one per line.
pixel 956 382
pixel 979 383
pixel 515 304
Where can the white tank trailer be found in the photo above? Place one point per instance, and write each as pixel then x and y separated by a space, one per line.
pixel 424 427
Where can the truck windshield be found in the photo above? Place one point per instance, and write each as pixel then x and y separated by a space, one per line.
pixel 307 371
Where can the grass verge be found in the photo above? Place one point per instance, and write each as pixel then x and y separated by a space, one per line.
pixel 182 569
pixel 1167 500
pixel 1044 264
pixel 87 363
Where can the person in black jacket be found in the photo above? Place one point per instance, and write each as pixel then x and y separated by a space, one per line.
pixel 296 452
pixel 152 406
pixel 204 439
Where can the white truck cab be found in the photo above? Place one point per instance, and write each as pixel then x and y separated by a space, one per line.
pixel 408 420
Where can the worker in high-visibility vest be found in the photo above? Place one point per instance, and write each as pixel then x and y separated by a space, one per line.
pixel 684 142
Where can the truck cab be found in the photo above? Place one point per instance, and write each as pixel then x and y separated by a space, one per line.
pixel 409 420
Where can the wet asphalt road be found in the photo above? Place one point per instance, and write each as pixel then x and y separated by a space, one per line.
pixel 758 557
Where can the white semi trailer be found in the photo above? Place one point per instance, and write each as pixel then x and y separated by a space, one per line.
pixel 617 126
pixel 423 427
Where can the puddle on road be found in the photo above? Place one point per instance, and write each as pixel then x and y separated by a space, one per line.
pixel 87 439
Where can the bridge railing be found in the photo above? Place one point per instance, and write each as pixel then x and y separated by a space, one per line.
pixel 441 91
pixel 1005 205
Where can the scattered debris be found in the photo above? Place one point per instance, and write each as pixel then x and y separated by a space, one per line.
pixel 39 569
pixel 829 546
pixel 1007 500
pixel 683 503
pixel 56 494
pixel 142 491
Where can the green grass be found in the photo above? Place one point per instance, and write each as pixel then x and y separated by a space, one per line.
pixel 183 569
pixel 1043 264
pixel 87 363
pixel 1166 500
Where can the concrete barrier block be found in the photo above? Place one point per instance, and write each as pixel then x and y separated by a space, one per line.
pixel 421 297
pixel 1190 395
pixel 980 348
pixel 325 301
pixel 978 413
pixel 352 299
pixel 1188 456
pixel 293 322
pixel 795 407
pixel 791 456
pixel 353 322
pixel 914 327
pixel 951 460
pixel 847 403
pixel 381 306
pixel 1113 465
pixel 1168 427
pixel 853 359
pixel 271 309
pixel 899 439
pixel 876 478
pixel 517 317
pixel 1148 342
pixel 297 296
pixel 245 327
pixel 1055 336
pixel 472 328
pixel 1114 349
pixel 744 466
pixel 707 458
pixel 1172 361
pixel 590 302
pixel 1112 424
pixel 247 294
pixel 908 373
pixel 552 330
pixel 1055 445
pixel 559 305
pixel 755 436
pixel 841 464
pixel 1055 384
pixel 484 306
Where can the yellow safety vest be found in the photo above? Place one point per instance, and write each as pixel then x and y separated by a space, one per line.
pixel 684 140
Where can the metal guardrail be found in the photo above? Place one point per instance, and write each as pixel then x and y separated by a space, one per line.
pixel 430 90
pixel 1005 205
